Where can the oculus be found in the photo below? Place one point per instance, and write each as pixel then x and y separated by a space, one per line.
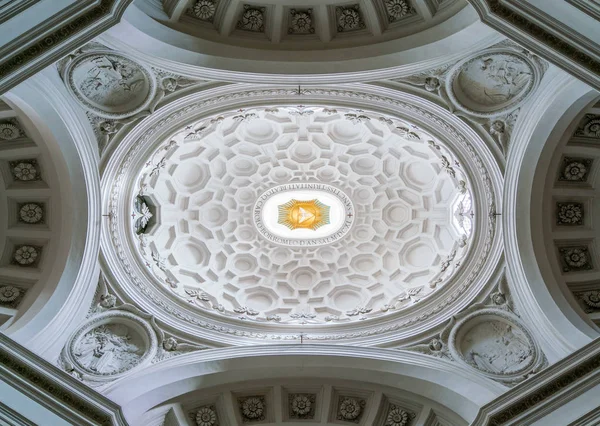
pixel 325 217
pixel 304 214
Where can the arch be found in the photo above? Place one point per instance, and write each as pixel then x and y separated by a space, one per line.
pixel 444 382
pixel 161 46
pixel 560 329
pixel 65 296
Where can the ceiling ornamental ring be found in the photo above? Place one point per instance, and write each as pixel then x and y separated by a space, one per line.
pixel 199 263
pixel 494 81
pixel 112 85
pixel 110 345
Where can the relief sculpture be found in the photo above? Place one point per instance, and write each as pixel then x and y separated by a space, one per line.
pixel 109 84
pixel 492 83
pixel 109 349
pixel 497 347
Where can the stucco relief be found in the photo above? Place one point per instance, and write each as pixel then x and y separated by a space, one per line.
pixel 496 347
pixel 496 343
pixel 490 338
pixel 111 343
pixel 492 82
pixel 109 83
pixel 109 349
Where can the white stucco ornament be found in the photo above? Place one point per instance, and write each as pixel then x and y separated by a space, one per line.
pixel 493 82
pixel 111 344
pixel 110 84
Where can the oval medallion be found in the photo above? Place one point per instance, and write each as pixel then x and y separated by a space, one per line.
pixel 303 214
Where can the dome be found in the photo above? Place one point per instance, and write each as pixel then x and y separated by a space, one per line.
pixel 297 215
pixel 286 218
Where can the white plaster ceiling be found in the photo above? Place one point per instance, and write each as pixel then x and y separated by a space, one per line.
pixel 411 226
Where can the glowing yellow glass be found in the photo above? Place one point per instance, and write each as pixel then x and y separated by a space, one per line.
pixel 310 214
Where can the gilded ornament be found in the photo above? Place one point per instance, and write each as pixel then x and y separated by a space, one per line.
pixel 311 214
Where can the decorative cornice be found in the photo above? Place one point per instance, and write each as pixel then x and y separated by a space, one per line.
pixel 11 417
pixel 563 381
pixel 14 7
pixel 55 390
pixel 61 34
pixel 555 46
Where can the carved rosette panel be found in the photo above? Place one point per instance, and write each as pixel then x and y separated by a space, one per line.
pixel 492 82
pixel 497 344
pixel 111 344
pixel 110 84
